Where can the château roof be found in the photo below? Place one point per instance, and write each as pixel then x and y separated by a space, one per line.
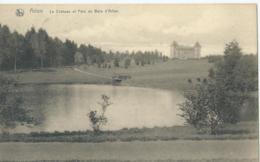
pixel 185 47
pixel 175 44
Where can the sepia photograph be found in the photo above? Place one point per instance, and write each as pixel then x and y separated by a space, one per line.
pixel 129 83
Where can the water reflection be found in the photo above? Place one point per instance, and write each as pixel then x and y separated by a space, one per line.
pixel 65 107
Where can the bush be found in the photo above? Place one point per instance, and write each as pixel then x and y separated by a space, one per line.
pixel 199 108
pixel 96 119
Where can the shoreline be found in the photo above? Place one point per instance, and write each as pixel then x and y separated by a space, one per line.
pixel 240 131
pixel 135 141
pixel 95 84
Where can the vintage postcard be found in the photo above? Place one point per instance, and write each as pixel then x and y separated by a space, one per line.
pixel 128 82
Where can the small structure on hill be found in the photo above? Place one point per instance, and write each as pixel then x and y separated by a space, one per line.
pixel 117 79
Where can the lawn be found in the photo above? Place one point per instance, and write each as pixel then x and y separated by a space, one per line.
pixel 168 160
pixel 171 75
pixel 172 151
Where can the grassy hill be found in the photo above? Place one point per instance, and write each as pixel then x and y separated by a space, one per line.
pixel 171 75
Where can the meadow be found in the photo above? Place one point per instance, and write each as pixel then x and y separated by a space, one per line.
pixel 182 151
pixel 170 75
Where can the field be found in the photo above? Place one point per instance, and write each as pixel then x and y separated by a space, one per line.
pixel 228 150
pixel 171 75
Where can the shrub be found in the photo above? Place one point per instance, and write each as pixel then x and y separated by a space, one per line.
pixel 97 119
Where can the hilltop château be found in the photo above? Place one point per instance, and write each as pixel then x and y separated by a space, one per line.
pixel 185 52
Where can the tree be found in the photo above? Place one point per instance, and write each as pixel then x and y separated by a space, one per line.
pixel 16 41
pixel 136 61
pixel 12 110
pixel 246 74
pixel 29 59
pixel 58 45
pixel 225 77
pixel 5 48
pixel 211 73
pixel 38 42
pixel 127 62
pixel 219 98
pixel 98 119
pixel 165 58
pixel 42 38
pixel 116 62
pixel 68 51
pixel 78 58
pixel 35 44
pixel 142 62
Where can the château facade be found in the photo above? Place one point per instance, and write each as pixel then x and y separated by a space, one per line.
pixel 185 52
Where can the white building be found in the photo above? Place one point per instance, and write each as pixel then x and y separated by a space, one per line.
pixel 185 52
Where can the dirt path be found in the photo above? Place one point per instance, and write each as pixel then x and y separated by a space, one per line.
pixel 158 150
pixel 92 74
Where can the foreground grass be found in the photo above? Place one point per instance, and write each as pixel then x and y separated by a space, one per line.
pixel 243 130
pixel 168 160
pixel 171 75
pixel 178 150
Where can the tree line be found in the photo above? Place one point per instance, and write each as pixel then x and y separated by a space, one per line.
pixel 36 49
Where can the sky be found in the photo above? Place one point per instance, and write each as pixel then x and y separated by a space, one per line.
pixel 141 26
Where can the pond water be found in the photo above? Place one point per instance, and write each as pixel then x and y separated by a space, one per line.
pixel 65 107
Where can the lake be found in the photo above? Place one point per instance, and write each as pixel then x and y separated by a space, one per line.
pixel 63 107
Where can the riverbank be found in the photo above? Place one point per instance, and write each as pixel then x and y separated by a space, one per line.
pixel 170 75
pixel 243 130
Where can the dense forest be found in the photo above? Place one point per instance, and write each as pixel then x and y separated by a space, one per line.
pixel 36 49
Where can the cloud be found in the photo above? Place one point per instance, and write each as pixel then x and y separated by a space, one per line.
pixel 210 21
pixel 149 26
pixel 127 29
